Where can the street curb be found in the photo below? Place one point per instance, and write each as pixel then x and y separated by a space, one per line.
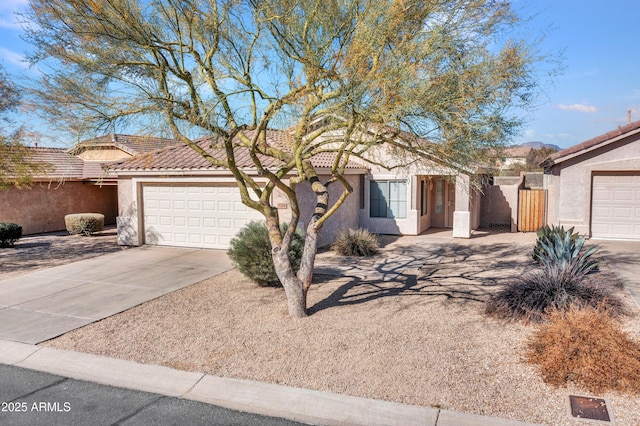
pixel 302 405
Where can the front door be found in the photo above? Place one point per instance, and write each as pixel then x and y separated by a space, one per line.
pixel 443 204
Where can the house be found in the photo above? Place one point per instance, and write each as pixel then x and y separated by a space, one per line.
pixel 74 182
pixel 515 156
pixel 176 197
pixel 594 186
pixel 70 185
pixel 117 147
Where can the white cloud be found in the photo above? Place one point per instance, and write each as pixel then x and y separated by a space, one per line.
pixel 578 107
pixel 8 8
pixel 13 58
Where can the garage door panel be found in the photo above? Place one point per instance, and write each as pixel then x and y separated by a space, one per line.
pixel 194 216
pixel 624 180
pixel 601 194
pixel 623 213
pixel 615 210
pixel 623 195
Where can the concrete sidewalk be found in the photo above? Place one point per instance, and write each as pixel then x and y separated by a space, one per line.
pixel 275 401
pixel 49 302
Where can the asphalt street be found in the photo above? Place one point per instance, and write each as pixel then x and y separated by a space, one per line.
pixel 29 397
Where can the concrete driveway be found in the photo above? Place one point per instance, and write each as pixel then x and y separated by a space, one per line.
pixel 623 257
pixel 49 302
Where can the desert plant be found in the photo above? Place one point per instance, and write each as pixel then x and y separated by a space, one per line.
pixel 567 252
pixel 587 347
pixel 9 234
pixel 84 223
pixel 356 242
pixel 250 252
pixel 547 234
pixel 531 296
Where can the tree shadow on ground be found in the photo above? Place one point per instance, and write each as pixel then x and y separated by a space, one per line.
pixel 452 272
pixel 34 252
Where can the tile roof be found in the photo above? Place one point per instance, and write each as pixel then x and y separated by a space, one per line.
pixel 62 165
pixel 132 144
pixel 603 139
pixel 517 151
pixel 183 157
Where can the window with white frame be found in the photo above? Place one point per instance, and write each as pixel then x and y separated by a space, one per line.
pixel 388 198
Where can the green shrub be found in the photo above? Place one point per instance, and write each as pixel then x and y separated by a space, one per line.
pixel 531 296
pixel 84 223
pixel 9 234
pixel 250 252
pixel 356 242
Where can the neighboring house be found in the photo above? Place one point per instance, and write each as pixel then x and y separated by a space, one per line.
pixel 595 186
pixel 175 197
pixel 74 182
pixel 117 147
pixel 515 156
pixel 70 185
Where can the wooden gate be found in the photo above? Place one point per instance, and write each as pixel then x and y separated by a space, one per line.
pixel 532 209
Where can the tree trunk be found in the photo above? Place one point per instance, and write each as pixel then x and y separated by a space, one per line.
pixel 294 290
pixel 297 286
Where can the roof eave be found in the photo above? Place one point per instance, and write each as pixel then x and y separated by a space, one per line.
pixel 550 161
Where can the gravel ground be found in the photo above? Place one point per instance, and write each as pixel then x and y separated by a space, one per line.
pixel 421 339
pixel 34 252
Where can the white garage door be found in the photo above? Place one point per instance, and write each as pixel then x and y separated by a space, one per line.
pixel 194 216
pixel 616 206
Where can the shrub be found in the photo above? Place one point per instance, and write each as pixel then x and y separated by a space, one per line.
pixel 565 251
pixel 547 234
pixel 531 296
pixel 9 234
pixel 356 242
pixel 586 347
pixel 250 252
pixel 84 223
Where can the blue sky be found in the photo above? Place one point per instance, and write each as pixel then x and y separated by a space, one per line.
pixel 599 84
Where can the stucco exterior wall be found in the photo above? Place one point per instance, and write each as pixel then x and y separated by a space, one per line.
pixel 344 218
pixel 104 154
pixel 466 214
pixel 129 208
pixel 42 207
pixel 552 184
pixel 499 207
pixel 571 191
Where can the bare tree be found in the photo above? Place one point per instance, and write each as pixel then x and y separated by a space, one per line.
pixel 17 165
pixel 342 75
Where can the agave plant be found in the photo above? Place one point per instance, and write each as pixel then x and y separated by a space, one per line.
pixel 547 234
pixel 564 250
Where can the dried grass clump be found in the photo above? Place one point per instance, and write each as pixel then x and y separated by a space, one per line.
pixel 586 346
pixel 356 242
pixel 530 296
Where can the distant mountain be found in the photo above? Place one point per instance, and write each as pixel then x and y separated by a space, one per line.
pixel 540 145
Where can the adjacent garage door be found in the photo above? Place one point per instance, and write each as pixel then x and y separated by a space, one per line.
pixel 616 206
pixel 194 216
